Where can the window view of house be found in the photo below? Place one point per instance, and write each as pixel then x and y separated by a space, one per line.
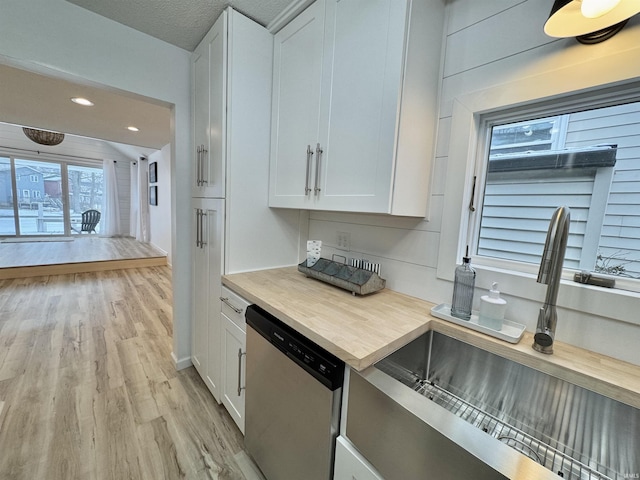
pixel 45 200
pixel 589 161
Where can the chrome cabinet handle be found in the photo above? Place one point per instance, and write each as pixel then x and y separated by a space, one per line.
pixel 231 305
pixel 307 189
pixel 202 216
pixel 197 227
pixel 318 159
pixel 198 165
pixel 203 156
pixel 240 354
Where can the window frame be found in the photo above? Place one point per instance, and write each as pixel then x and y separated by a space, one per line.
pixel 553 86
pixel 64 162
pixel 541 111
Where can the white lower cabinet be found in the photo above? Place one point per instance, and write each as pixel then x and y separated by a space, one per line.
pixel 350 464
pixel 207 252
pixel 233 350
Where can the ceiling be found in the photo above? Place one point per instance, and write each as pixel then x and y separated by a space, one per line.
pixel 26 96
pixel 180 22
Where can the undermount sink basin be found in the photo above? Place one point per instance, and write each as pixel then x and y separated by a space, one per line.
pixel 573 432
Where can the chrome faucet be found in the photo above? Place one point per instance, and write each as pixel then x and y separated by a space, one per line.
pixel 549 274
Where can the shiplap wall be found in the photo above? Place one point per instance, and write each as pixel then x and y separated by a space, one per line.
pixel 11 136
pixel 486 44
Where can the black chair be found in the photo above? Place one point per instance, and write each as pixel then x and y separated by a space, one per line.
pixel 90 219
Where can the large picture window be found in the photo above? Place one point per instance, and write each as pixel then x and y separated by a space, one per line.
pixel 588 160
pixel 46 197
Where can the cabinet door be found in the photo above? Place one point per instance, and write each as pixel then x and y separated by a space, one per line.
pixel 233 354
pixel 363 65
pixel 200 326
pixel 295 109
pixel 208 245
pixel 350 465
pixel 210 99
pixel 200 75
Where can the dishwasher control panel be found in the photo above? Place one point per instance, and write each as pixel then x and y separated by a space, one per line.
pixel 322 365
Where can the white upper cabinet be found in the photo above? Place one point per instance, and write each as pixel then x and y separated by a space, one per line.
pixel 363 139
pixel 296 107
pixel 209 72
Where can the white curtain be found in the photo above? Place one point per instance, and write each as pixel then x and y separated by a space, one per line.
pixel 110 219
pixel 139 226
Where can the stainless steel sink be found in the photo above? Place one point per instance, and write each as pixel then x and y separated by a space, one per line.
pixel 573 432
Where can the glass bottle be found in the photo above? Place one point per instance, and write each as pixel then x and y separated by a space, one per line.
pixel 463 285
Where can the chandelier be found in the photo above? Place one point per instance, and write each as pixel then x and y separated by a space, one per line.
pixel 43 137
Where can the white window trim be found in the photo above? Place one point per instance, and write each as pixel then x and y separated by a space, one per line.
pixel 542 91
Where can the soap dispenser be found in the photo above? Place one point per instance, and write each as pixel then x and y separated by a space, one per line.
pixel 492 308
pixel 463 285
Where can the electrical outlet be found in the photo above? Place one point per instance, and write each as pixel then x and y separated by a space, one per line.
pixel 344 240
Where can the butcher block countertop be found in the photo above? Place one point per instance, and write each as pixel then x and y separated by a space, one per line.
pixel 363 330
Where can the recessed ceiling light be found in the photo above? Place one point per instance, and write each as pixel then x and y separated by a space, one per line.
pixel 133 129
pixel 82 101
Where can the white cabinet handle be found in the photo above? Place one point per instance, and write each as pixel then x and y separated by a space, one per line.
pixel 318 159
pixel 240 354
pixel 307 189
pixel 231 305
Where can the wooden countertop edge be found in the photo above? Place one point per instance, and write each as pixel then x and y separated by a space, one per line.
pixel 604 375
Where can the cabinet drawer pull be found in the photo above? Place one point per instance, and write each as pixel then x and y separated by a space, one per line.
pixel 318 159
pixel 240 354
pixel 307 189
pixel 231 305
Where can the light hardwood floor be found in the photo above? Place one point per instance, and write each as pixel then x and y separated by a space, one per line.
pixel 88 389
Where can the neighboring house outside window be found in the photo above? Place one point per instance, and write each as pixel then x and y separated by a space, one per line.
pixel 589 161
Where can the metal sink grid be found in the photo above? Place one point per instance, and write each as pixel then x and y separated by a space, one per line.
pixel 552 458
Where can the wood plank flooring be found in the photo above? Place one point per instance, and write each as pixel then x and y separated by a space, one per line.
pixel 82 254
pixel 88 389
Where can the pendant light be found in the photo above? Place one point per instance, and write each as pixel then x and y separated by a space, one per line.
pixel 43 137
pixel 590 21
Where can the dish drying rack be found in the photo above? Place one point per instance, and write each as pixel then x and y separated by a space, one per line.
pixel 360 278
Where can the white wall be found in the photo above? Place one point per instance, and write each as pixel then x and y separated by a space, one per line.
pixel 58 38
pixel 488 44
pixel 160 215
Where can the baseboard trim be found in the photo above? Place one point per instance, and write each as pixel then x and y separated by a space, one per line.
pixel 181 364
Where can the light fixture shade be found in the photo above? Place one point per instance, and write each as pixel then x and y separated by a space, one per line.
pixel 43 137
pixel 566 20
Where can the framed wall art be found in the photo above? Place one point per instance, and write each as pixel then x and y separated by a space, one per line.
pixel 153 172
pixel 153 195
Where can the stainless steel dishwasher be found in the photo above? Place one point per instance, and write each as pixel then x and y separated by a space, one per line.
pixel 293 390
